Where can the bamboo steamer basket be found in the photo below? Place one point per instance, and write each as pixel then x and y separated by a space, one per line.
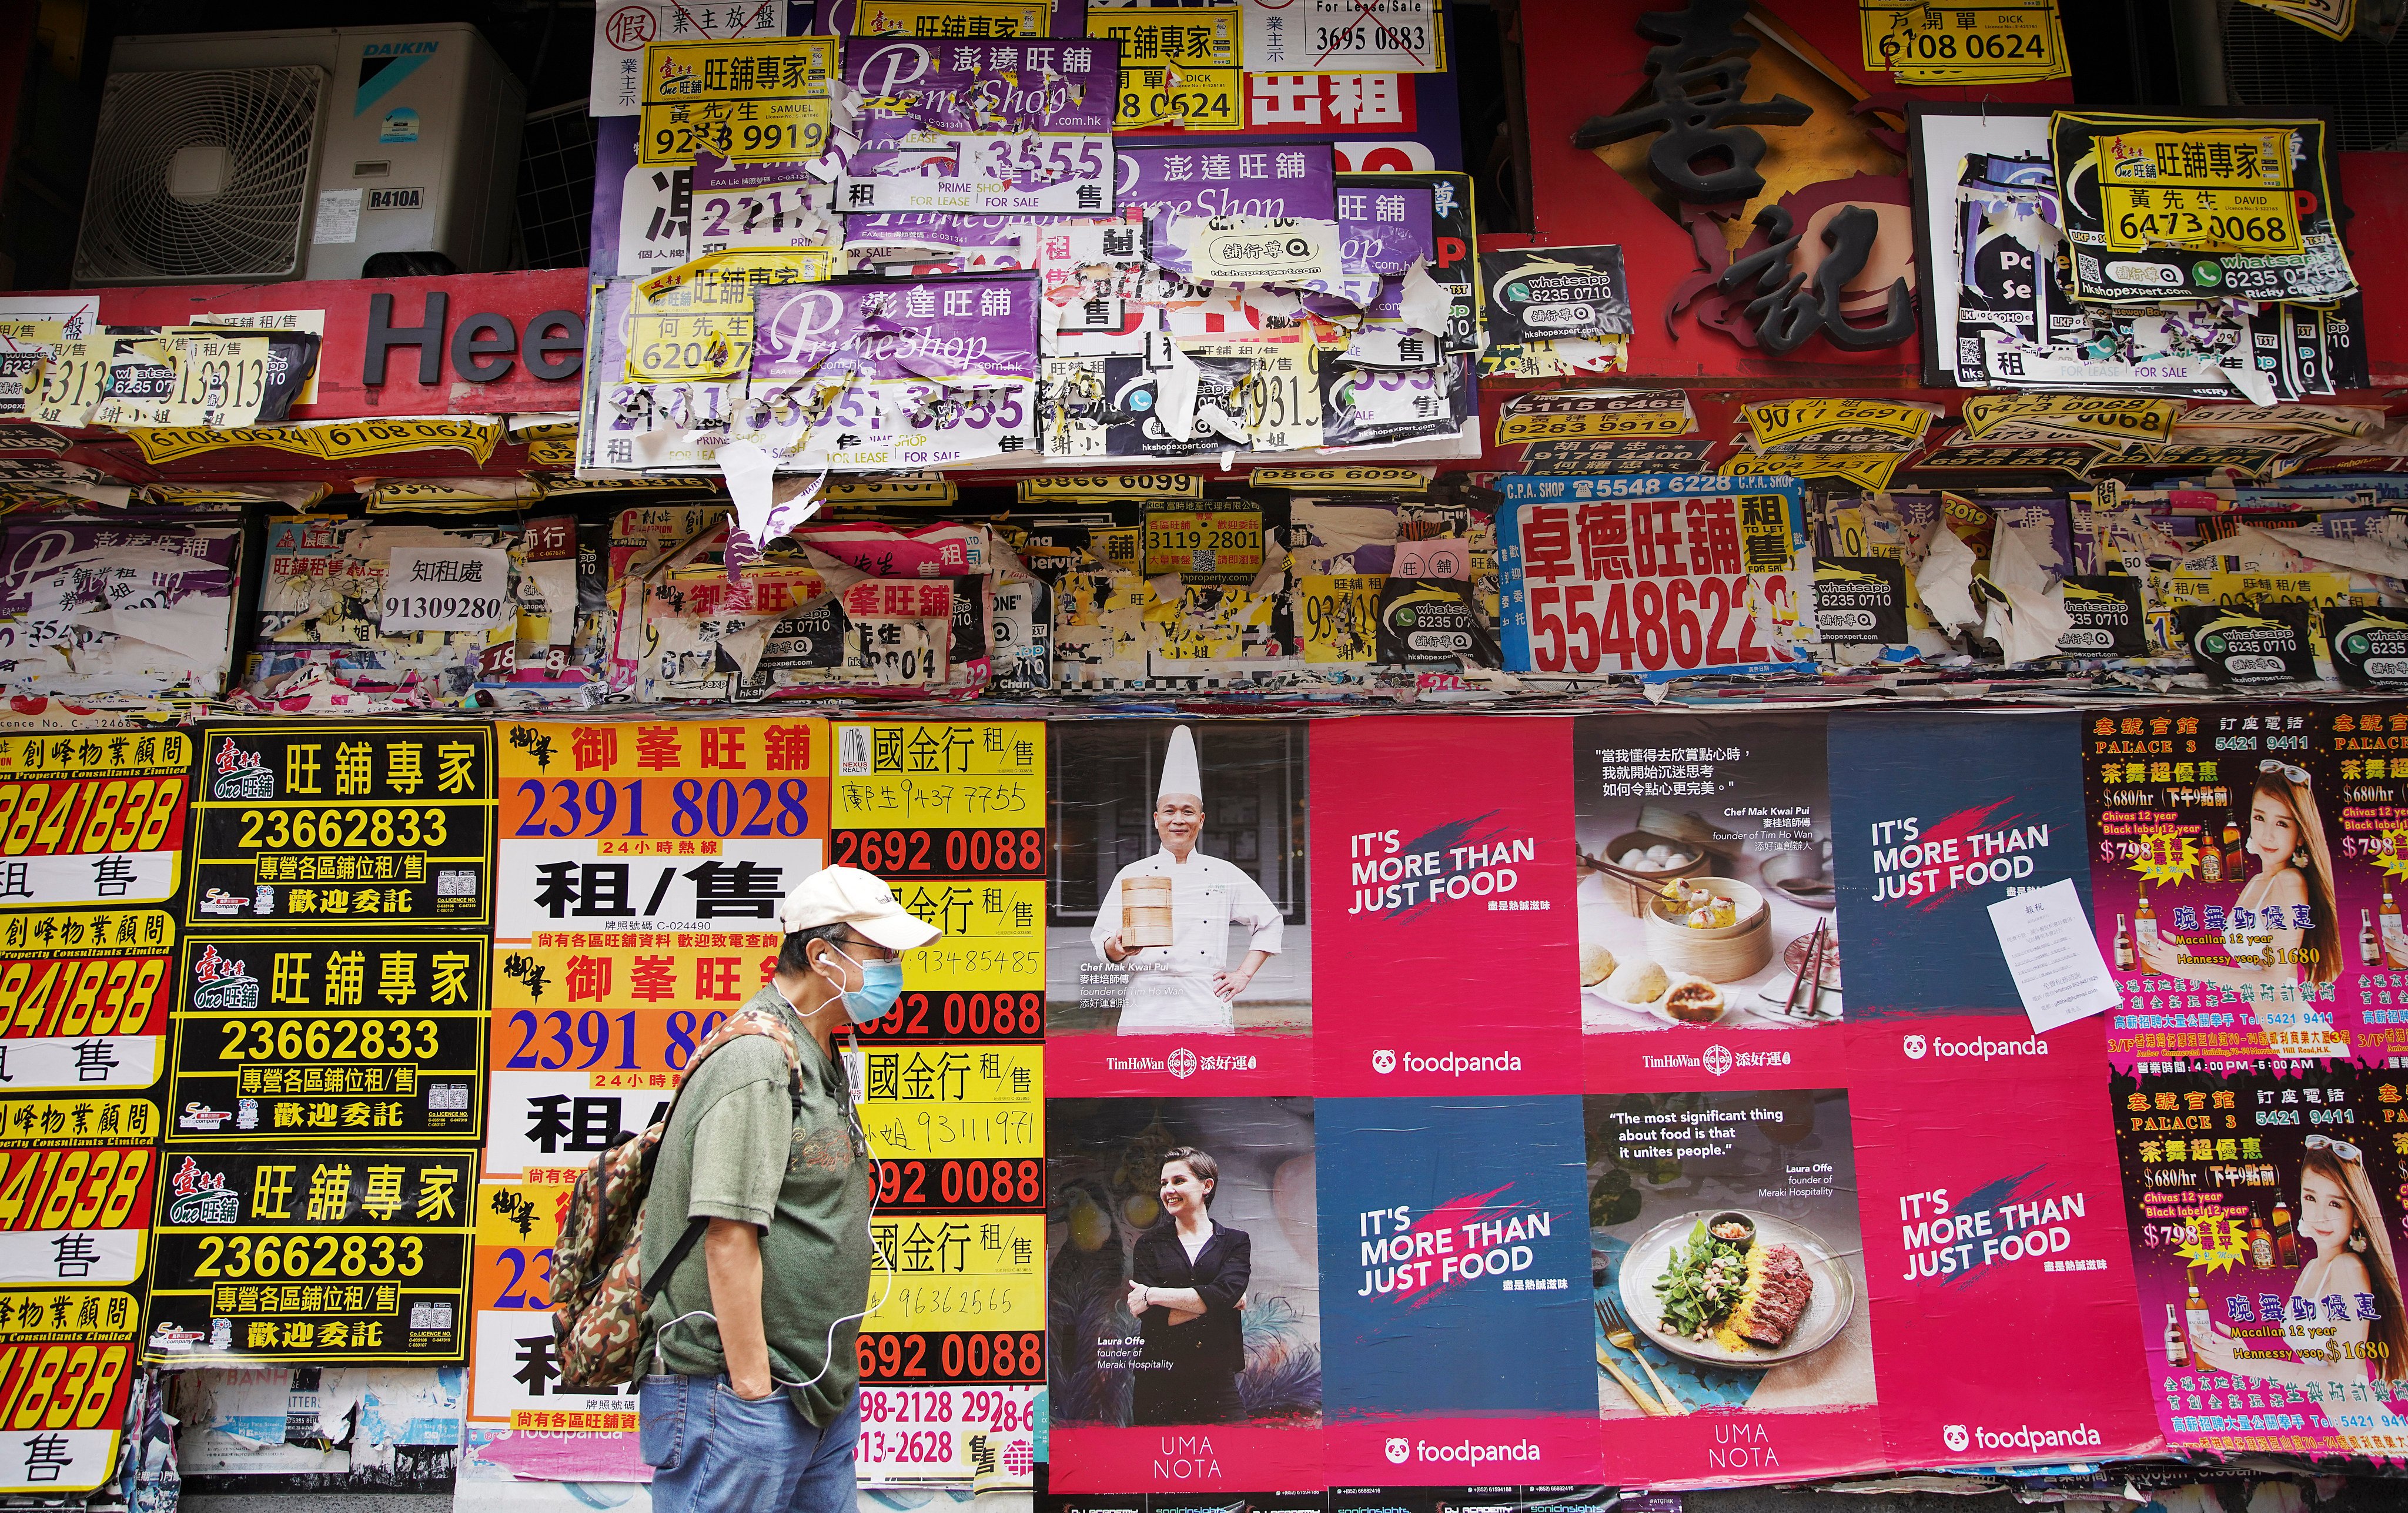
pixel 1730 953
pixel 1659 826
pixel 1145 912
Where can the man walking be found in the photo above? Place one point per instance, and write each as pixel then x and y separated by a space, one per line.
pixel 756 1410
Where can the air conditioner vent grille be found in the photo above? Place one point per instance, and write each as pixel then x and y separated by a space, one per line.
pixel 2272 63
pixel 136 231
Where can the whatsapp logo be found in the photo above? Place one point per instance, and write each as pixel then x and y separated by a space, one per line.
pixel 2207 273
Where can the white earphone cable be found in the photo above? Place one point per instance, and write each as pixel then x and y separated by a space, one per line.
pixel 828 1359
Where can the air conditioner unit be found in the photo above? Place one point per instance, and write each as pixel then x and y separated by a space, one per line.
pixel 247 157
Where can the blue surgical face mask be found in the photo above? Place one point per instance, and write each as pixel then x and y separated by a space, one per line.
pixel 881 983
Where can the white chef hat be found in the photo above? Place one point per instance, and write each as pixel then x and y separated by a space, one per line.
pixel 1178 771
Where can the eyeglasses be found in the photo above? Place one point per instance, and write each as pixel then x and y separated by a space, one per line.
pixel 2295 774
pixel 875 951
pixel 2343 1148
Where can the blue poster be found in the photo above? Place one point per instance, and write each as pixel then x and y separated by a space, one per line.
pixel 1934 819
pixel 1455 1264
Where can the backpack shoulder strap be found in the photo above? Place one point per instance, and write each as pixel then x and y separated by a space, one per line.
pixel 745 1022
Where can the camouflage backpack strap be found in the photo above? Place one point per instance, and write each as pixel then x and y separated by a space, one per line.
pixel 748 1021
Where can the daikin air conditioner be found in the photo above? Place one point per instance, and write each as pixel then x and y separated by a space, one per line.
pixel 254 156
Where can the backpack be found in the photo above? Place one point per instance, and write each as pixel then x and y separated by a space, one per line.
pixel 598 1325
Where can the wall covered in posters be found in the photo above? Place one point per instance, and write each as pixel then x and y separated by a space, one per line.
pixel 1280 1114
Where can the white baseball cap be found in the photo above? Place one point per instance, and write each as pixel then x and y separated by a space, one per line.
pixel 848 895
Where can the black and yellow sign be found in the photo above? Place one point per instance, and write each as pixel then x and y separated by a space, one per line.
pixel 1177 67
pixel 326 1257
pixel 1056 488
pixel 371 1037
pixel 2173 207
pixel 1998 42
pixel 334 826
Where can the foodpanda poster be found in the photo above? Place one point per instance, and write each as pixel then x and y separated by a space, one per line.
pixel 1184 1296
pixel 1733 1335
pixel 1442 879
pixel 1706 900
pixel 1992 1236
pixel 1454 1291
pixel 1935 818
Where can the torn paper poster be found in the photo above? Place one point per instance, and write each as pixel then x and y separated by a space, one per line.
pixel 1019 626
pixel 1291 180
pixel 2025 612
pixel 921 243
pixel 861 375
pixel 192 376
pixel 1384 225
pixel 257 1422
pixel 363 1427
pixel 1030 174
pixel 1365 406
pixel 984 85
pixel 1297 252
pixel 979 126
pixel 321 609
pixel 1566 357
pixel 945 549
pixel 89 609
pixel 757 205
pixel 801 623
pixel 1099 628
pixel 506 1470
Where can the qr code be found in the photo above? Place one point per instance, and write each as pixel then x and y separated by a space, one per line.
pixel 425 1315
pixel 454 884
pixel 447 1097
pixel 1206 560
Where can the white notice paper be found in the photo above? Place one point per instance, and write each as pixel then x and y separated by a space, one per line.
pixel 446 588
pixel 338 217
pixel 2054 954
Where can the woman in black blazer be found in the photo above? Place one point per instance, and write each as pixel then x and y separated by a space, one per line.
pixel 1189 1278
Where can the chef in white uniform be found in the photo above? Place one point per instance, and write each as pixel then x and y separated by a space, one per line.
pixel 1187 985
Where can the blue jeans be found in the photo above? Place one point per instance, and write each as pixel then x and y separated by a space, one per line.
pixel 713 1452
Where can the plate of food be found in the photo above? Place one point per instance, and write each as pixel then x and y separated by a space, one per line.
pixel 1736 1288
pixel 1643 987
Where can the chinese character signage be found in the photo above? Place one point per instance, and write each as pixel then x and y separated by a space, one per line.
pixel 1655 574
pixel 953 817
pixel 318 1256
pixel 371 1037
pixel 334 827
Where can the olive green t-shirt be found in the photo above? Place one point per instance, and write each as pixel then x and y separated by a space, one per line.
pixel 733 1152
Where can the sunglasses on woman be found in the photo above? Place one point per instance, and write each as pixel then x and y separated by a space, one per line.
pixel 2343 1148
pixel 2295 774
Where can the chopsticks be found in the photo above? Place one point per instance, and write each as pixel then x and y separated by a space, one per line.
pixel 1809 985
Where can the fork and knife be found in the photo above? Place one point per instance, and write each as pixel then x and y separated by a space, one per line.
pixel 1619 1335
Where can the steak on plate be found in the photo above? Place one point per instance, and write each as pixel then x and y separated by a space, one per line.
pixel 1777 1290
